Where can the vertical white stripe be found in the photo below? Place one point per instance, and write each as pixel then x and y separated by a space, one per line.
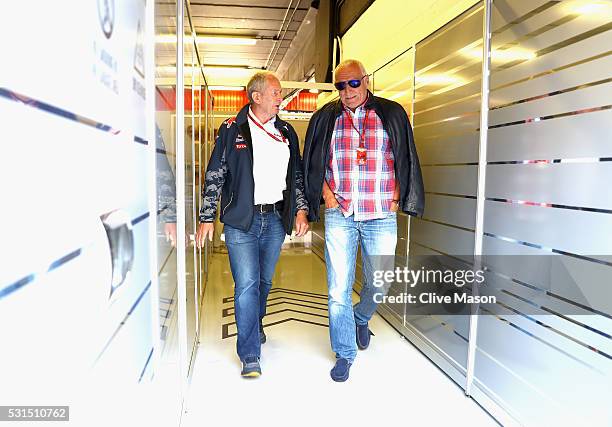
pixel 180 201
pixel 482 167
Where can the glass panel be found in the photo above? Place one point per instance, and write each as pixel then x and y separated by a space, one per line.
pixel 189 192
pixel 446 122
pixel 547 174
pixel 167 375
pixel 395 81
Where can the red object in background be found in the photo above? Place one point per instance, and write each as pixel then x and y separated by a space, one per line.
pixel 224 100
pixel 305 101
pixel 227 100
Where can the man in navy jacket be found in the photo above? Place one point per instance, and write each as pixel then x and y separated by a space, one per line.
pixel 256 168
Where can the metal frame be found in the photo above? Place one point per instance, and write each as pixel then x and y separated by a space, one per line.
pixel 480 195
pixel 180 202
pixel 151 158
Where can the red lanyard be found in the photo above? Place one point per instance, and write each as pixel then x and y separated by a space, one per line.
pixel 363 128
pixel 271 135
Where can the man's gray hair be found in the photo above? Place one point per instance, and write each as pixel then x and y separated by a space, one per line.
pixel 258 83
pixel 350 63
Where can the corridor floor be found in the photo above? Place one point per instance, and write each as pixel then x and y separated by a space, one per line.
pixel 391 383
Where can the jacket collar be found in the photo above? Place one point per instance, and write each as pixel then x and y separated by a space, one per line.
pixel 242 118
pixel 371 103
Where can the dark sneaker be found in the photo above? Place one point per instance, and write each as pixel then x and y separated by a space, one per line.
pixel 250 367
pixel 340 371
pixel 363 336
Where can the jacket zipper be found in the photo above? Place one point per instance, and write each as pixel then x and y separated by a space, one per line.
pixel 229 203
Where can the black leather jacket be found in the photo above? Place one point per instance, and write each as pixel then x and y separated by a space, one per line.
pixel 396 123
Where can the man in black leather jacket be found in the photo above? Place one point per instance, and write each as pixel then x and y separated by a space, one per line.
pixel 361 161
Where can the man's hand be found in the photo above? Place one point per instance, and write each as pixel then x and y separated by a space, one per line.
pixel 331 202
pixel 301 223
pixel 170 232
pixel 329 197
pixel 394 206
pixel 205 230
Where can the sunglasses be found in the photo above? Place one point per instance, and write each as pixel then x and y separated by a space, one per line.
pixel 354 83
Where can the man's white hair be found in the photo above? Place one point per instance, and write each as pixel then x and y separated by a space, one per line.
pixel 258 82
pixel 351 63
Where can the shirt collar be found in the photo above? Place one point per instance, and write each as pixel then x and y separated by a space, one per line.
pixel 361 108
pixel 254 117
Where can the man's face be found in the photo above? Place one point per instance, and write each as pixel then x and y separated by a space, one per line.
pixel 270 98
pixel 352 97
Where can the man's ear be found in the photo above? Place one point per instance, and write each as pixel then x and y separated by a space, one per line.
pixel 256 97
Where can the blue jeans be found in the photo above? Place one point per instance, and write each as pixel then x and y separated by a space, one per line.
pixel 378 238
pixel 253 255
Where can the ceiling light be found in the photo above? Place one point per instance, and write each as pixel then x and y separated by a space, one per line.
pixel 226 87
pixel 223 40
pixel 244 41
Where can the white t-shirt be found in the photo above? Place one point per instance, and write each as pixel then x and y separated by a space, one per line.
pixel 270 161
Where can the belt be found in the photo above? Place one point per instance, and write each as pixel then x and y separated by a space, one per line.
pixel 271 207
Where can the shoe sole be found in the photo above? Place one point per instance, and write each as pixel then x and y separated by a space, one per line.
pixel 253 374
pixel 340 380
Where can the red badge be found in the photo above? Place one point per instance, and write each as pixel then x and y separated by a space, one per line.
pixel 240 146
pixel 361 156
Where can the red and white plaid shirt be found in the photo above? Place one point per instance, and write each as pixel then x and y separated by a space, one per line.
pixel 363 190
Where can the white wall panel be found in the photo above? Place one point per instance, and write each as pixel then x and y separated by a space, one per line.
pixel 570 184
pixel 577 232
pixel 582 99
pixel 450 179
pixel 583 135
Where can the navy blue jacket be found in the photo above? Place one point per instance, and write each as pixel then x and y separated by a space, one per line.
pixel 230 173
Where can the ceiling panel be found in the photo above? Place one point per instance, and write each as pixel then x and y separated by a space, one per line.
pixel 252 12
pixel 260 3
pixel 241 23
pixel 260 18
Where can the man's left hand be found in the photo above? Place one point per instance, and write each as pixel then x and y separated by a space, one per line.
pixel 301 223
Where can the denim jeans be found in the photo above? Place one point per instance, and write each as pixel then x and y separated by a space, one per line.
pixel 253 255
pixel 378 238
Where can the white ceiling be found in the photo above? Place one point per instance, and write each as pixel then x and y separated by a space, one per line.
pixel 274 23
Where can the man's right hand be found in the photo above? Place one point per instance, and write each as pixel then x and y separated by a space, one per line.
pixel 329 197
pixel 331 202
pixel 205 230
